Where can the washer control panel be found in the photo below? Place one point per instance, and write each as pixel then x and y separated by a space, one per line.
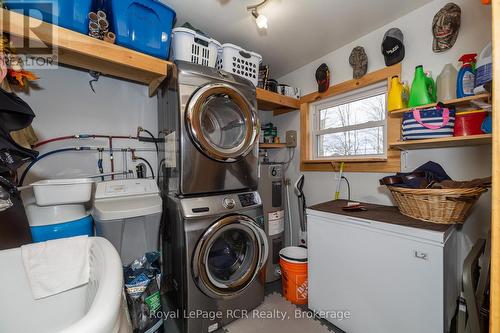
pixel 248 199
pixel 219 204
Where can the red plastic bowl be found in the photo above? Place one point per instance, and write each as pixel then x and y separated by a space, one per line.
pixel 469 123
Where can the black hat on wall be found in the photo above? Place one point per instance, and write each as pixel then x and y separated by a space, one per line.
pixel 323 78
pixel 393 48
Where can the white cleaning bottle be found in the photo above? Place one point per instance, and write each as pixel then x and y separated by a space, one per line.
pixel 446 83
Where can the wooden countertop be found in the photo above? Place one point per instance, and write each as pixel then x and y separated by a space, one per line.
pixel 379 213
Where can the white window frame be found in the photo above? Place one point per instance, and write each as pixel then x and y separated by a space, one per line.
pixel 349 97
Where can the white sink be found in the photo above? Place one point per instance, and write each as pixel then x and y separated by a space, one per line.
pixel 98 307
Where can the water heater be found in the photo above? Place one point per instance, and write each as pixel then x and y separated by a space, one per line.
pixel 271 190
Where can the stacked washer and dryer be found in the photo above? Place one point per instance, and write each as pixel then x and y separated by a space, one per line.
pixel 215 246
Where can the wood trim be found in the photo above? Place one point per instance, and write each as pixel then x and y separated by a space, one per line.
pixel 271 101
pixel 346 160
pixel 495 209
pixel 457 102
pixel 350 85
pixel 81 51
pixel 304 134
pixel 272 145
pixel 390 164
pixel 281 111
pixel 452 141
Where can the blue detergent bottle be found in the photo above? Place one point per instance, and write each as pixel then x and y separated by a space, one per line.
pixel 466 76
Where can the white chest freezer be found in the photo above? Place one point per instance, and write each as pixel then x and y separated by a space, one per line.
pixel 396 276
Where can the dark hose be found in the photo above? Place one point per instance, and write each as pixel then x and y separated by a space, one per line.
pixel 152 137
pixel 149 165
pixel 21 181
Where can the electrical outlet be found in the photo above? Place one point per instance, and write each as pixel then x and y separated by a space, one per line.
pixel 291 139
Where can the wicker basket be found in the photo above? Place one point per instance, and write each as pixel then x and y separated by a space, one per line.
pixel 445 206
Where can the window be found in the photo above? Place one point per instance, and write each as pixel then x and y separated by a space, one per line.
pixel 351 126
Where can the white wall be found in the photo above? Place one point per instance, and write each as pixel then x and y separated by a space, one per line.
pixel 460 163
pixel 65 105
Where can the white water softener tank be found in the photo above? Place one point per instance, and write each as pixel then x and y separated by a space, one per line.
pixel 127 212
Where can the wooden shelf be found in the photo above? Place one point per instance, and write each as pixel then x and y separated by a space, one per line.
pixel 280 104
pixel 458 102
pixel 272 145
pixel 452 141
pixel 82 51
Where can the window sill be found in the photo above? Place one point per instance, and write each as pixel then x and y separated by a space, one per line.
pixel 346 160
pixel 382 165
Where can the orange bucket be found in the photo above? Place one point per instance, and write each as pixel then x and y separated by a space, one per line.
pixel 293 262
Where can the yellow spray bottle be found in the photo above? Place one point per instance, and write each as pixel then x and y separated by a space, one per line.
pixel 395 100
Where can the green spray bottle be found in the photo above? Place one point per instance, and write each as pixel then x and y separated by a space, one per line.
pixel 419 92
pixel 431 86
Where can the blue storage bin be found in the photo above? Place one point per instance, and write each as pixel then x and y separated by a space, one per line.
pixel 81 227
pixel 70 14
pixel 143 25
pixel 52 222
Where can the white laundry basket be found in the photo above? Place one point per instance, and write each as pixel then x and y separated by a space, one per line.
pixel 238 61
pixel 188 45
pixel 98 306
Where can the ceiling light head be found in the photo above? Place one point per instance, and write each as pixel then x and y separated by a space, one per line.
pixel 260 19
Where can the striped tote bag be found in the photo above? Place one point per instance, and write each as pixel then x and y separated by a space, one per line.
pixel 430 123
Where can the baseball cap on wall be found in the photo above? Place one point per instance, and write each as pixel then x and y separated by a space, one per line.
pixel 359 62
pixel 323 78
pixel 393 48
pixel 445 27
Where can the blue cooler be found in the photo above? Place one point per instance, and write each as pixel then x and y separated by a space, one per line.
pixel 143 25
pixel 70 14
pixel 52 222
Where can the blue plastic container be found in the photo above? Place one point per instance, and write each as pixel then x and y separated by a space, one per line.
pixel 81 227
pixel 70 14
pixel 143 25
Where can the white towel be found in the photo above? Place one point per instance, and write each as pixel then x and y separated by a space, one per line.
pixel 57 265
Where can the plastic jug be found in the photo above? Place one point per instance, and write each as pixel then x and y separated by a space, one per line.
pixel 431 86
pixel 395 99
pixel 406 93
pixel 419 92
pixel 484 70
pixel 466 76
pixel 446 83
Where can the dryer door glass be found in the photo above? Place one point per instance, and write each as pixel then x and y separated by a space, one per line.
pixel 222 122
pixel 228 256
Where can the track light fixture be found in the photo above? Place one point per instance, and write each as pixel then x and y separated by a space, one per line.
pixel 260 19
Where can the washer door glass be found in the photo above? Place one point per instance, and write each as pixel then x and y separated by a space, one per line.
pixel 228 256
pixel 221 122
pixel 231 256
